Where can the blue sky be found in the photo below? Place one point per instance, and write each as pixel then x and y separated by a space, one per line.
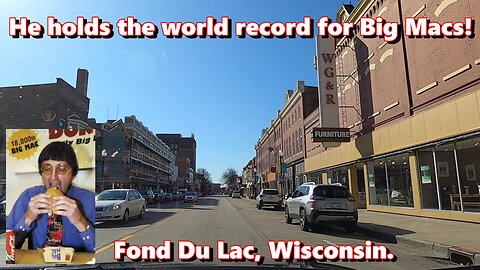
pixel 224 90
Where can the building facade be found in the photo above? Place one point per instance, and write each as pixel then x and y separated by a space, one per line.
pixel 413 109
pixel 281 147
pixel 185 149
pixel 51 105
pixel 149 158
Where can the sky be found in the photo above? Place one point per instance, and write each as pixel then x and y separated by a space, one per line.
pixel 225 91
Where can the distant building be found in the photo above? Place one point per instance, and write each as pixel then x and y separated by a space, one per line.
pixel 185 149
pixel 51 105
pixel 150 158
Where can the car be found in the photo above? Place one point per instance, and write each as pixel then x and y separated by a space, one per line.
pixel 3 208
pixel 149 196
pixel 236 194
pixel 168 197
pixel 160 196
pixel 313 203
pixel 190 196
pixel 268 197
pixel 119 205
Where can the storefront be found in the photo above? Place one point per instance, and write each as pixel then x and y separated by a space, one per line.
pixel 420 165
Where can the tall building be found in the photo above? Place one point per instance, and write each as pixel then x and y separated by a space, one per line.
pixel 185 149
pixel 150 159
pixel 51 105
pixel 281 147
pixel 413 110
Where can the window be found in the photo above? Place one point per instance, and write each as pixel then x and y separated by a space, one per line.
pixel 338 175
pixel 442 186
pixel 389 181
pixel 377 183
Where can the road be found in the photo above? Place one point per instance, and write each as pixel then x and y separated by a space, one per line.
pixel 237 221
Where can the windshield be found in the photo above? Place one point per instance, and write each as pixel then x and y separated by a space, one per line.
pixel 270 192
pixel 112 195
pixel 191 193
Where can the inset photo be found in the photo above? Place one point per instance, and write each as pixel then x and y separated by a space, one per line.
pixel 50 199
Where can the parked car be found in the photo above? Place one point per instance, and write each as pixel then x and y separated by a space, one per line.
pixel 3 208
pixel 160 196
pixel 236 194
pixel 312 203
pixel 168 197
pixel 149 196
pixel 119 204
pixel 191 196
pixel 178 196
pixel 269 197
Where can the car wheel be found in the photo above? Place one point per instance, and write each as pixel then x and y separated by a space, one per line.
pixel 260 205
pixel 304 224
pixel 288 219
pixel 125 217
pixel 142 213
pixel 351 227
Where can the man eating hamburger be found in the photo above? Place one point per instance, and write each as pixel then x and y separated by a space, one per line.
pixel 56 213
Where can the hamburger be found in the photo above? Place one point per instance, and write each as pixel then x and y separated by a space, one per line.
pixel 53 191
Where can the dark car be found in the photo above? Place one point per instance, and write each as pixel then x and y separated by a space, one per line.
pixel 149 196
pixel 168 197
pixel 160 196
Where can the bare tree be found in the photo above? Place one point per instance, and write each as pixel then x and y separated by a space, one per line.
pixel 205 180
pixel 230 177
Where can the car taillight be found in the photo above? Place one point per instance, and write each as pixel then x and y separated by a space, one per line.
pixel 351 199
pixel 316 197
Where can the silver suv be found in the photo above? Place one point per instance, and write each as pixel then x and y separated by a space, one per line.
pixel 312 203
pixel 268 197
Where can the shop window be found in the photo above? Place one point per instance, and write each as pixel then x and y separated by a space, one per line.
pixel 338 176
pixel 446 175
pixel 399 181
pixel 361 185
pixel 468 152
pixel 377 182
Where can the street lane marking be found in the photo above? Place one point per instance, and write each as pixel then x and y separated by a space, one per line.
pixel 102 249
pixel 330 243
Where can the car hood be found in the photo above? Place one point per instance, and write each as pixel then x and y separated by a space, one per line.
pixel 108 203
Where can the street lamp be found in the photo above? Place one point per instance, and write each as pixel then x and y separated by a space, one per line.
pixel 282 180
pixel 104 157
pixel 254 182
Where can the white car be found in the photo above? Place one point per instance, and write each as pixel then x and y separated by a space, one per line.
pixel 190 196
pixel 312 203
pixel 236 194
pixel 268 197
pixel 119 204
pixel 3 201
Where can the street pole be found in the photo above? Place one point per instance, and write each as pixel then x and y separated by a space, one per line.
pixel 104 155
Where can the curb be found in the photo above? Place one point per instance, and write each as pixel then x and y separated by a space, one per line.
pixel 437 249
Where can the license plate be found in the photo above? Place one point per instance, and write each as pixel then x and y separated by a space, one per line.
pixel 336 206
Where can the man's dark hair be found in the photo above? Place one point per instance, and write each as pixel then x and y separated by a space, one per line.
pixel 59 151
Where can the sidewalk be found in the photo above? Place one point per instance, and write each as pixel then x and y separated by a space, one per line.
pixel 441 237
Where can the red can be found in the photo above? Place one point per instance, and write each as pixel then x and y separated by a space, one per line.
pixel 10 246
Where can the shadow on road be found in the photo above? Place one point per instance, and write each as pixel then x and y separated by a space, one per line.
pixel 202 201
pixel 363 232
pixel 150 218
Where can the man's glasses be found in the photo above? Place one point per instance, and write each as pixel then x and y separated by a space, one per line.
pixel 61 169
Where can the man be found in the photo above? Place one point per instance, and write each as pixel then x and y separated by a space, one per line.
pixel 72 216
